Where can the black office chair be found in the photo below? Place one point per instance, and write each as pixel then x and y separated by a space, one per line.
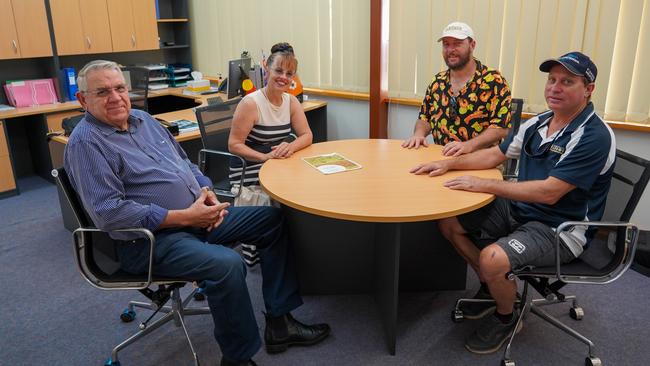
pixel 96 257
pixel 138 78
pixel 608 255
pixel 214 159
pixel 510 166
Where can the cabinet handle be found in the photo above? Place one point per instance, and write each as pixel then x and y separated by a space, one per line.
pixel 89 43
pixel 133 40
pixel 13 42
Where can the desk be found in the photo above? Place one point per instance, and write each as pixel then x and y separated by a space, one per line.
pixel 35 122
pixel 381 199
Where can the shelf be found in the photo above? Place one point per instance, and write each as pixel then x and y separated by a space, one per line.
pixel 173 20
pixel 174 46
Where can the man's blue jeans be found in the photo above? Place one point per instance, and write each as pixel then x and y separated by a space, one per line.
pixel 195 255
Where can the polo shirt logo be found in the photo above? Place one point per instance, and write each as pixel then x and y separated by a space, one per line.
pixel 517 245
pixel 557 149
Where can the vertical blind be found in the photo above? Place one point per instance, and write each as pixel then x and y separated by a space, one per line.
pixel 331 41
pixel 330 37
pixel 515 36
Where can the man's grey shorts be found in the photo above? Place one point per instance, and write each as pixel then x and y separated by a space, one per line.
pixel 528 244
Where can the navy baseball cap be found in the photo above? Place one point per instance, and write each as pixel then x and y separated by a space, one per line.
pixel 576 62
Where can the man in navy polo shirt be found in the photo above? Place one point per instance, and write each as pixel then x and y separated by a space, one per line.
pixel 566 158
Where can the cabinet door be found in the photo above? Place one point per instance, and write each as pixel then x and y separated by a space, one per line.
pixel 146 26
pixel 31 26
pixel 9 47
pixel 97 29
pixel 68 30
pixel 120 16
pixel 7 181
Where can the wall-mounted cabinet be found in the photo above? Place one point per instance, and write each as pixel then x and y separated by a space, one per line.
pixel 81 26
pixel 133 25
pixel 24 29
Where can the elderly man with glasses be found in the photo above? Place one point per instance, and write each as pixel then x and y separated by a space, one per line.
pixel 566 159
pixel 467 106
pixel 129 171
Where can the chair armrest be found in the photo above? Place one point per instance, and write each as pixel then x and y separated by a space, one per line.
pixel 203 153
pixel 626 240
pixel 79 238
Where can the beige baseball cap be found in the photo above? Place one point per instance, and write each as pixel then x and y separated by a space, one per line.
pixel 458 30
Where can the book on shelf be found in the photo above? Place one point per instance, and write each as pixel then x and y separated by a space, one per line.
pixel 158 86
pixel 331 163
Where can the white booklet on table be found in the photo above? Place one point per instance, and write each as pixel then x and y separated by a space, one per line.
pixel 331 163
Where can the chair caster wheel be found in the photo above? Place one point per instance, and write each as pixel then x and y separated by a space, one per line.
pixel 127 316
pixel 457 316
pixel 507 363
pixel 576 313
pixel 199 295
pixel 110 362
pixel 593 361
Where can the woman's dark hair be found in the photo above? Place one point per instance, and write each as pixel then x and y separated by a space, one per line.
pixel 282 49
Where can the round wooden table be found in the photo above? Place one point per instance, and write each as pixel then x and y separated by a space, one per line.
pixel 352 230
pixel 383 190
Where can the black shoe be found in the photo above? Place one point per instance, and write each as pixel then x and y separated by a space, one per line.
pixel 284 331
pixel 478 309
pixel 491 334
pixel 225 362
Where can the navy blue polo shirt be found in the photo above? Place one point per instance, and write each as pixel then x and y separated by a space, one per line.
pixel 582 154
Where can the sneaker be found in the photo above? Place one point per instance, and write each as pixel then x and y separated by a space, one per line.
pixel 491 334
pixel 478 309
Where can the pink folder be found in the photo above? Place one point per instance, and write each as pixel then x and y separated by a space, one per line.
pixel 31 92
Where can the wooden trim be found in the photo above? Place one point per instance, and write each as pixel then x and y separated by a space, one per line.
pixel 378 70
pixel 173 20
pixel 338 94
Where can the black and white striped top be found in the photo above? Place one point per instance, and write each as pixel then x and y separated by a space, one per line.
pixel 273 125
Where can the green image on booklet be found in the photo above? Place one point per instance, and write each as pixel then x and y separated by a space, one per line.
pixel 331 163
pixel 185 125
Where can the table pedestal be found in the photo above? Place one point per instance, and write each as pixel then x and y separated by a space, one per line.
pixel 345 257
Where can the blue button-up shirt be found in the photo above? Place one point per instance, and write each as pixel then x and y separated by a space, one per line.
pixel 130 178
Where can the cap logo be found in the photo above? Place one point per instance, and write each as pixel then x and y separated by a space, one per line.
pixel 454 27
pixel 590 74
pixel 572 59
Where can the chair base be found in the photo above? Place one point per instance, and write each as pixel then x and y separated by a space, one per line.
pixel 176 312
pixel 534 306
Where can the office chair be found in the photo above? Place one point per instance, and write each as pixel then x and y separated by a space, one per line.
pixel 214 159
pixel 138 78
pixel 608 255
pixel 510 166
pixel 96 257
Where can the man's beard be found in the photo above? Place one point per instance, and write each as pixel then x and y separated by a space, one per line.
pixel 462 61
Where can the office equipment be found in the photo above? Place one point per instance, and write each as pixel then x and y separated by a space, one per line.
pixel 138 81
pixel 608 255
pixel 95 255
pixel 237 72
pixel 214 159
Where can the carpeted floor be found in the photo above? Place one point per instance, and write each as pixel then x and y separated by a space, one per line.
pixel 51 316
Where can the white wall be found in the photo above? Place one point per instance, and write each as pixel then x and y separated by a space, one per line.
pixel 348 119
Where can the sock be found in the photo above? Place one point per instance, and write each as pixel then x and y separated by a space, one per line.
pixel 503 318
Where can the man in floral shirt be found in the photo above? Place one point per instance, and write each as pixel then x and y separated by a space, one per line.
pixel 466 107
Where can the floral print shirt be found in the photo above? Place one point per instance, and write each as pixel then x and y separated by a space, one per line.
pixel 484 102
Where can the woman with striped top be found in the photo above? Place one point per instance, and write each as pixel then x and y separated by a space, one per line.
pixel 263 121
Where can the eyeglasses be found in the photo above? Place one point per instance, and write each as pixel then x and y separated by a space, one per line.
pixel 453 111
pixel 105 92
